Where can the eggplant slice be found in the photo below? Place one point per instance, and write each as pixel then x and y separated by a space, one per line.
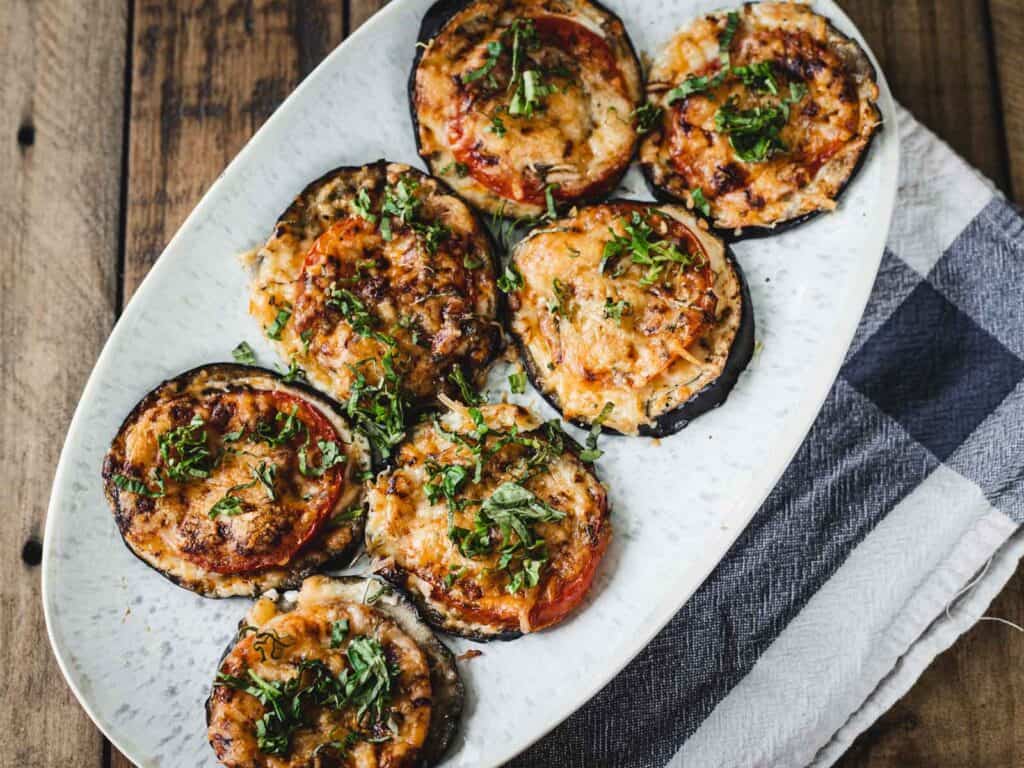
pixel 766 114
pixel 379 274
pixel 339 623
pixel 515 102
pixel 490 520
pixel 229 481
pixel 630 315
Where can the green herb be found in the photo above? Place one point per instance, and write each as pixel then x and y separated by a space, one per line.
pixel 643 246
pixel 400 200
pixel 591 452
pixel 510 280
pixel 753 133
pixel 266 472
pixel 305 337
pixel 699 201
pixel 274 329
pixel 363 206
pixel 267 643
pixel 517 382
pixel 330 456
pixel 294 372
pixel 432 235
pixel 469 395
pixel 454 574
pixel 136 486
pixel 339 746
pixel 529 94
pixel 494 49
pixel 549 199
pixel 339 629
pixel 758 76
pixel 497 126
pixel 243 354
pixel 614 310
pixel 264 431
pixel 378 409
pixel 797 91
pixel 645 117
pixel 559 303
pixel 230 504
pixel 184 451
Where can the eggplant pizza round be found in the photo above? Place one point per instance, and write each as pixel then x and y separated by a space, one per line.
pixel 630 316
pixel 525 105
pixel 229 481
pixel 379 284
pixel 491 520
pixel 345 675
pixel 760 117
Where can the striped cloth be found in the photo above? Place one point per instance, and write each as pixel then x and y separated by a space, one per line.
pixel 908 488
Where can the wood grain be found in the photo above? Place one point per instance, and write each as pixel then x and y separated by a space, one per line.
pixel 1007 19
pixel 936 56
pixel 61 117
pixel 361 10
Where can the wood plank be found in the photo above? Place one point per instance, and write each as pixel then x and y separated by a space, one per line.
pixel 1008 32
pixel 205 76
pixel 361 10
pixel 935 54
pixel 61 117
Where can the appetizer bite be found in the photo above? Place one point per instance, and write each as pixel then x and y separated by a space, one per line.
pixel 760 117
pixel 525 105
pixel 491 520
pixel 630 316
pixel 229 481
pixel 346 675
pixel 378 283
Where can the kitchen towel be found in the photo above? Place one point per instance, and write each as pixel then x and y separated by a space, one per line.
pixel 887 537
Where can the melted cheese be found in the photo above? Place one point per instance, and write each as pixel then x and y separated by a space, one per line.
pixel 408 533
pixel 579 142
pixel 827 131
pixel 672 340
pixel 306 633
pixel 440 307
pixel 269 542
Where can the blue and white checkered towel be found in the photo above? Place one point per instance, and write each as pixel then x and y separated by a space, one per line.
pixel 846 584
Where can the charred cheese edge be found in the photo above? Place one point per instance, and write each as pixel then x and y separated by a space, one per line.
pixel 407 534
pixel 280 630
pixel 672 349
pixel 579 140
pixel 826 134
pixel 175 533
pixel 436 300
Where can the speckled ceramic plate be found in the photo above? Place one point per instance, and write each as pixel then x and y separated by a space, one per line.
pixel 140 653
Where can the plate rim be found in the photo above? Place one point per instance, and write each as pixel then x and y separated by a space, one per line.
pixel 792 438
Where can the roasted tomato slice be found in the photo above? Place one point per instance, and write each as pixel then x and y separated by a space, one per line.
pixel 491 521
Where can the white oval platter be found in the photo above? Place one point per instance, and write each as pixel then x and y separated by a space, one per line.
pixel 140 653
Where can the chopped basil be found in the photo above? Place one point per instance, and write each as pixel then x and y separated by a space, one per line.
pixel 330 456
pixel 469 395
pixel 592 453
pixel 274 329
pixel 699 201
pixel 266 473
pixel 494 49
pixel 184 451
pixel 645 117
pixel 136 486
pixel 363 206
pixel 497 126
pixel 243 354
pixel 643 247
pixel 517 382
pixel 510 280
pixel 614 310
pixel 339 629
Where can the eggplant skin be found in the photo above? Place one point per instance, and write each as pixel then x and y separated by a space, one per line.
pixel 453 308
pixel 406 536
pixel 328 549
pixel 434 21
pixel 448 692
pixel 835 174
pixel 712 395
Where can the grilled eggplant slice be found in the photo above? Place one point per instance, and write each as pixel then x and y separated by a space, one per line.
pixel 766 114
pixel 311 644
pixel 230 481
pixel 490 521
pixel 379 275
pixel 630 315
pixel 516 101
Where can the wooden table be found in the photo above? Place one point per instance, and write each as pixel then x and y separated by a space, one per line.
pixel 115 117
